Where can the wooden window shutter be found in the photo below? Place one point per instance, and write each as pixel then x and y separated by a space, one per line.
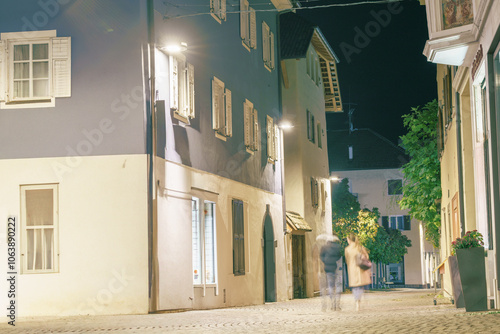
pixel 313 137
pixel 217 104
pixel 256 134
pixel 265 43
pixel 243 19
pixel 191 112
pixel 385 222
pixel 61 66
pixel 323 196
pixel 308 114
pixel 174 83
pixel 253 29
pixel 238 238
pixel 3 73
pixel 271 46
pixel 229 119
pixel 247 109
pixel 407 223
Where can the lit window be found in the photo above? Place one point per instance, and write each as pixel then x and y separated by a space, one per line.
pixel 218 10
pixel 181 88
pixel 35 68
pixel 248 25
pixel 221 110
pixel 395 187
pixel 252 138
pixel 272 131
pixel 267 46
pixel 238 238
pixel 39 223
pixel 204 242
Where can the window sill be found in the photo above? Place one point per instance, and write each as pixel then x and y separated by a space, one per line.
pixel 246 45
pixel 201 286
pixel 181 118
pixel 221 137
pixel 47 103
pixel 270 69
pixel 217 18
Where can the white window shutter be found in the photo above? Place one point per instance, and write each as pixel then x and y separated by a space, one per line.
pixel 265 43
pixel 276 142
pixel 229 115
pixel 244 19
pixel 223 10
pixel 253 29
pixel 61 66
pixel 3 77
pixel 270 137
pixel 191 113
pixel 256 135
pixel 248 124
pixel 174 83
pixel 271 46
pixel 216 104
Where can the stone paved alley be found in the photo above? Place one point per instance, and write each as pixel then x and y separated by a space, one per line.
pixel 396 311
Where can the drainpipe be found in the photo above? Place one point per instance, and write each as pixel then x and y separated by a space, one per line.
pixel 460 167
pixel 151 152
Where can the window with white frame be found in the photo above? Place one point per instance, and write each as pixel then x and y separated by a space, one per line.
pixel 39 228
pixel 35 68
pixel 218 10
pixel 221 110
pixel 395 187
pixel 267 46
pixel 401 222
pixel 181 88
pixel 204 245
pixel 252 137
pixel 272 131
pixel 248 25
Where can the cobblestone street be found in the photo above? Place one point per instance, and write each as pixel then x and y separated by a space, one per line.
pixel 397 311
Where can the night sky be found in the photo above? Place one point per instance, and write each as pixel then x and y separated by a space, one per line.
pixel 383 72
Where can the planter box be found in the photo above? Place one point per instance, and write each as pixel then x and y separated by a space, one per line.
pixel 456 284
pixel 473 277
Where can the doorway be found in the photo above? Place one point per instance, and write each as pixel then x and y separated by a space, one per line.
pixel 269 261
pixel 299 268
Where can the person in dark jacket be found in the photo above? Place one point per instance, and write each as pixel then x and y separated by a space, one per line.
pixel 329 255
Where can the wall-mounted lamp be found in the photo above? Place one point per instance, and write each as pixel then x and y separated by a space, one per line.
pixel 335 178
pixel 285 125
pixel 174 48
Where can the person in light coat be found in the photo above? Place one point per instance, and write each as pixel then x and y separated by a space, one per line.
pixel 358 277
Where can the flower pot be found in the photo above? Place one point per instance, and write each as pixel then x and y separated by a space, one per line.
pixel 473 278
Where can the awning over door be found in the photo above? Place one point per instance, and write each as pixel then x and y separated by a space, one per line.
pixel 295 223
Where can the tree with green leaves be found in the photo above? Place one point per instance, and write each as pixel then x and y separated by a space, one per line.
pixel 422 186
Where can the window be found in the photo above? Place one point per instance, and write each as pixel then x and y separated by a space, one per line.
pixel 35 68
pixel 252 138
pixel 218 10
pixel 267 46
pixel 314 192
pixel 402 223
pixel 395 187
pixel 310 126
pixel 181 88
pixel 204 242
pixel 319 131
pixel 39 224
pixel 238 238
pixel 221 110
pixel 272 140
pixel 248 25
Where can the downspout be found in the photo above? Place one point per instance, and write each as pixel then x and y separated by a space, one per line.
pixel 151 152
pixel 460 167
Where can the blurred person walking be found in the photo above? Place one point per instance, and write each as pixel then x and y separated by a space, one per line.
pixel 329 255
pixel 358 267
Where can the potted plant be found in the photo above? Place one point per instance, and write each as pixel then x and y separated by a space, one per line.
pixel 469 251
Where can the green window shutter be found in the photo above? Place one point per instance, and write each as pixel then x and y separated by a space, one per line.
pixel 271 45
pixel 253 29
pixel 265 43
pixel 407 223
pixel 385 222
pixel 61 66
pixel 244 20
